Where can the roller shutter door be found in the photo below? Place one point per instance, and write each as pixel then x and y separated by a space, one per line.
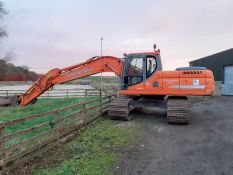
pixel 227 88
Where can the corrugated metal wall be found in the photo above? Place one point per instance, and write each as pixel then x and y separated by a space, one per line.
pixel 216 63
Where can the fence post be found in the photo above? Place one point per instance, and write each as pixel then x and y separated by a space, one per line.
pixel 101 105
pixel 110 98
pixel 2 146
pixel 101 92
pixel 57 122
pixel 85 93
pixel 67 93
pixel 84 113
pixel 57 127
pixel 7 93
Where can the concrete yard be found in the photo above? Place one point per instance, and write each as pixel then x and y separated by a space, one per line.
pixel 205 147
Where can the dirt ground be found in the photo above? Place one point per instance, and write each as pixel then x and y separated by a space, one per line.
pixel 205 147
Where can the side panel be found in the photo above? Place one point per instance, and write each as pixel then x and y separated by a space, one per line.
pixel 192 80
pixel 192 84
pixel 182 83
pixel 209 86
pixel 171 81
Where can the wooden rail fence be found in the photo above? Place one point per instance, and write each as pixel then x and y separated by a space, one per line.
pixel 22 138
pixel 63 93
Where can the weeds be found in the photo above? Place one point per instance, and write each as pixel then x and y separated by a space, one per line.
pixel 93 152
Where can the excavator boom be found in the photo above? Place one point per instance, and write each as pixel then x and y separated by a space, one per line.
pixel 58 76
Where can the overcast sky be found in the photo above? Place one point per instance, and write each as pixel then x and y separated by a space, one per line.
pixel 44 34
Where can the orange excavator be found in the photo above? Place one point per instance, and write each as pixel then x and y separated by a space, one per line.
pixel 143 84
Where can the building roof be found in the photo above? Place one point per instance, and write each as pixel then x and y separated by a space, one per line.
pixel 209 56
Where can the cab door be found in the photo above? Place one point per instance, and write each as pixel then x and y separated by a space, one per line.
pixel 152 80
pixel 134 73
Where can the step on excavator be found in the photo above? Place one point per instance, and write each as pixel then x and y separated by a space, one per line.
pixel 143 84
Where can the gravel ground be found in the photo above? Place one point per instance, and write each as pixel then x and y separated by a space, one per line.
pixel 205 147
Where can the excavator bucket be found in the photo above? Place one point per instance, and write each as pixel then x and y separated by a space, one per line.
pixel 9 101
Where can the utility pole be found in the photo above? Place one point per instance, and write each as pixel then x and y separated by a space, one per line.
pixel 101 47
pixel 101 54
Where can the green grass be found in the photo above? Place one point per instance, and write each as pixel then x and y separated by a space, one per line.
pixel 93 152
pixel 42 105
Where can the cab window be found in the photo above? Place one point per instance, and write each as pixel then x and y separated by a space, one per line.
pixel 134 73
pixel 135 67
pixel 151 65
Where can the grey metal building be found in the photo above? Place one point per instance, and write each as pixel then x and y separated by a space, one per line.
pixel 222 66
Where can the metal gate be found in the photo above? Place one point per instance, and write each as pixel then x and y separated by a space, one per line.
pixel 227 87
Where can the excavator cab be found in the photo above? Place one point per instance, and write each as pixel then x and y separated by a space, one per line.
pixel 139 67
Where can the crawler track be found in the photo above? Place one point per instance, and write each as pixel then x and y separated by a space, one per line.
pixel 119 108
pixel 178 110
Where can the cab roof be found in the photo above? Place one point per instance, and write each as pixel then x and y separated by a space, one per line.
pixel 146 53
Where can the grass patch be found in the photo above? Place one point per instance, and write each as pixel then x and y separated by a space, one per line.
pixel 42 105
pixel 93 152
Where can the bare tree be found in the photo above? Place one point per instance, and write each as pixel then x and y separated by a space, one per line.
pixel 9 56
pixel 3 32
pixel 3 12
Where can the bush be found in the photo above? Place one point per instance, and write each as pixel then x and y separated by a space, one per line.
pixel 10 72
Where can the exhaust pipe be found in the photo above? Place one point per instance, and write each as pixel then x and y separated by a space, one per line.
pixel 9 101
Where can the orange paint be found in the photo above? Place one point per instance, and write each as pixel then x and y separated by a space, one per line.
pixel 180 83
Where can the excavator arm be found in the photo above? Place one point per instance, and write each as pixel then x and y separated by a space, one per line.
pixel 58 76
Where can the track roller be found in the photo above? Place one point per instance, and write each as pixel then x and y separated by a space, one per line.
pixel 119 108
pixel 178 110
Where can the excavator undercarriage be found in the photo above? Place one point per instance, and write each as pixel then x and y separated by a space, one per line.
pixel 178 108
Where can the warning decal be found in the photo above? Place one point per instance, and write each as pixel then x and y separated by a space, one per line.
pixel 195 82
